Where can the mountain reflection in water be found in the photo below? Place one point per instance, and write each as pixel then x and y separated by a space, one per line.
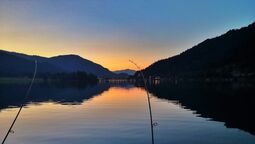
pixel 232 103
pixel 12 95
pixel 117 113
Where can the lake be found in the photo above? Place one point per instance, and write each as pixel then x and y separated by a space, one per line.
pixel 118 113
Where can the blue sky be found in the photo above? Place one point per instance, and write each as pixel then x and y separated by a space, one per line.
pixel 110 32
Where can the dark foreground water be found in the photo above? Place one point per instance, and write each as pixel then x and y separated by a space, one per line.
pixel 118 114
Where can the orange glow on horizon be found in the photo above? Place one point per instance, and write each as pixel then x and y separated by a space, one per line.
pixel 110 52
pixel 111 63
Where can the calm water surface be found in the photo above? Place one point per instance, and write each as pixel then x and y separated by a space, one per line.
pixel 105 114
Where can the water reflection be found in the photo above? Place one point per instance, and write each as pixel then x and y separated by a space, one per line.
pixel 233 104
pixel 113 114
pixel 13 94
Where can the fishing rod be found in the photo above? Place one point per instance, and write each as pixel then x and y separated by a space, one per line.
pixel 149 102
pixel 22 105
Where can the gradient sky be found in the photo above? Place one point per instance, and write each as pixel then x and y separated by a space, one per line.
pixel 110 32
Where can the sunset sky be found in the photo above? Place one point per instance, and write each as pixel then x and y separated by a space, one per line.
pixel 110 32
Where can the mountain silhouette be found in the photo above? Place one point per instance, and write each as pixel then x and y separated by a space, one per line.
pixel 12 64
pixel 73 63
pixel 125 71
pixel 231 54
pixel 18 64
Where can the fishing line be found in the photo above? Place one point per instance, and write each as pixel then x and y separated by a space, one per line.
pixel 22 104
pixel 149 102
